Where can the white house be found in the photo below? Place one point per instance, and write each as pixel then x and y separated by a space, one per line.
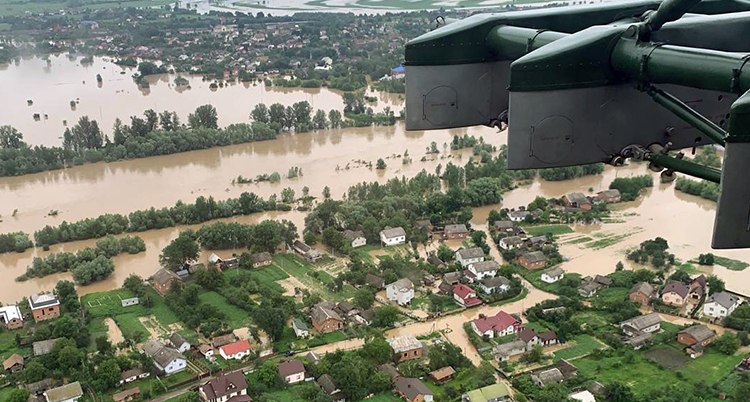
pixel 300 328
pixel 484 269
pixel 214 259
pixel 132 375
pixel 235 350
pixel 500 324
pixel 67 393
pixel 648 323
pixel 720 305
pixel 179 343
pixel 393 236
pixel 583 396
pixel 497 284
pixel 469 256
pixel 401 291
pixel 510 242
pixel 11 317
pixel 553 275
pixel 355 237
pixel 165 359
pixel 518 216
pixel 292 371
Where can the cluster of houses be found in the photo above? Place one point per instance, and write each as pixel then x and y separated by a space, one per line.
pixel 329 317
pixel 592 284
pixel 43 306
pixel 46 390
pixel 677 294
pixel 502 325
pixel 638 331
pixel 514 238
pixel 575 202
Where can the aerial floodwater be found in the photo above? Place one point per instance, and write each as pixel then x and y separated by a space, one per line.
pixel 334 158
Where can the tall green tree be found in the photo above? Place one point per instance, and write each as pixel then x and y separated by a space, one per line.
pixel 182 250
pixel 205 116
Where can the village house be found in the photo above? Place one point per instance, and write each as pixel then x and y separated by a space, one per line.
pixel 13 364
pixel 518 216
pixel 42 348
pixel 308 253
pixel 356 238
pixel 531 338
pixel 390 370
pixel 219 341
pixel 206 351
pixel 393 236
pixel 609 196
pixel 44 306
pixel 547 377
pixel 401 291
pixel 225 387
pixel 648 323
pixel 346 309
pixel 510 243
pixel 292 371
pixel 468 256
pixel 236 350
pixel 588 289
pixel 504 226
pixel 537 241
pixel 413 390
pixel 481 270
pixel 325 319
pixel 497 284
pixel 720 305
pixel 465 296
pixel 577 200
pixel 67 393
pixel 424 225
pixel 127 395
pixel 642 293
pixel 567 369
pixel 131 301
pixel 435 261
pixel 583 396
pixel 375 281
pixel 163 280
pixel 405 348
pixel 452 232
pixel 179 343
pixel 505 351
pixel 133 375
pixel 675 294
pixel 533 260
pixel 36 389
pixel 165 358
pixel 500 324
pixel 698 287
pixel 326 383
pixel 11 317
pixel 442 374
pixel 261 259
pixel 300 328
pixel 696 338
pixel 553 275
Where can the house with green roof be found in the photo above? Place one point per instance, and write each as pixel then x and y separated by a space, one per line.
pixel 491 393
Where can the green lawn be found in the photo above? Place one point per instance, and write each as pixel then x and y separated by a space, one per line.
pixel 584 344
pixel 107 304
pixel 711 367
pixel 544 229
pixel 8 345
pixel 18 8
pixel 5 393
pixel 535 278
pixel 236 317
pixel 315 280
pixel 729 263
pixel 597 321
pixel 265 276
pixel 324 339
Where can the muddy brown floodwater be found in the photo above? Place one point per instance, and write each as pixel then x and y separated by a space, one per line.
pixel 52 86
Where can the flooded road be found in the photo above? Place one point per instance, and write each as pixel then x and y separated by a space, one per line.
pixel 52 86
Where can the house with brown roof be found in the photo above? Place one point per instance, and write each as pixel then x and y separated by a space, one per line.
pixel 675 294
pixel 391 370
pixel 442 375
pixel 696 339
pixel 531 338
pixel 611 196
pixel 458 231
pixel 325 319
pixel 308 253
pixel 133 375
pixel 261 259
pixel 642 293
pixel 37 388
pixel 375 281
pixel 533 260
pixel 14 363
pixel 127 395
pixel 577 200
pixel 221 340
pixel 356 238
pixel 413 390
pixel 225 387
pixel 698 288
pixel 163 280
pixel 292 371
pixel 567 369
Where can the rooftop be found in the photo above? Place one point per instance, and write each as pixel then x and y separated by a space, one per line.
pixel 224 384
pixel 261 257
pixel 402 285
pixel 497 322
pixel 392 233
pixel 724 299
pixel 698 332
pixel 236 347
pixel 324 311
pixel 404 343
pixel 9 313
pixel 290 368
pixel 456 229
pixel 676 287
pixel 488 393
pixel 64 393
pixel 43 300
pixel 642 322
pixel 467 253
pixel 535 256
pixel 485 266
pixel 554 272
pixel 411 388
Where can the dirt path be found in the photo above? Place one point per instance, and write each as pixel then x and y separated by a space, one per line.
pixel 113 331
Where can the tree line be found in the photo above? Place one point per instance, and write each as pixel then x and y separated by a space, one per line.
pixel 704 189
pixel 88 264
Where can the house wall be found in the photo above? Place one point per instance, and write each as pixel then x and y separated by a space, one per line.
pixel 46 313
pixel 490 334
pixel 638 297
pixel 550 279
pixel 295 378
pixel 175 366
pixel 14 324
pixel 262 264
pixel 163 289
pixel 467 262
pixel 460 301
pixel 359 242
pixel 482 275
pixel 393 241
pixel 673 299
pixel 716 310
pixel 328 325
pixel 184 347
pixel 409 355
pixel 452 236
pixel 531 265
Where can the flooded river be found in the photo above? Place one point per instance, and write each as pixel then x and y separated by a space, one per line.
pixel 52 86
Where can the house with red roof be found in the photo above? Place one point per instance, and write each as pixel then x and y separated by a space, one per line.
pixel 235 350
pixel 465 296
pixel 500 324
